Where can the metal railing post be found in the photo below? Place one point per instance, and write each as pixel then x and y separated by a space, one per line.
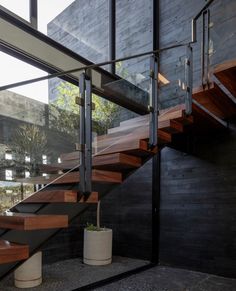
pixel 153 104
pixel 205 47
pixel 189 80
pixel 88 134
pixel 82 185
pixel 85 147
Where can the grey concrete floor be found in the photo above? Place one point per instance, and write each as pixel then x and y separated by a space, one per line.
pixel 72 274
pixel 172 279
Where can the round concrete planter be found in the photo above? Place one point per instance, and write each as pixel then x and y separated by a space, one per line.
pixel 98 247
pixel 29 274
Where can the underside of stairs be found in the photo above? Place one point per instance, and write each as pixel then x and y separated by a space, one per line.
pixel 119 153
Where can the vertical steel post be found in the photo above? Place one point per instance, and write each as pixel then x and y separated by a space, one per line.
pixel 85 168
pixel 112 35
pixel 153 104
pixel 189 79
pixel 156 161
pixel 34 13
pixel 208 48
pixel 88 134
pixel 82 185
pixel 205 47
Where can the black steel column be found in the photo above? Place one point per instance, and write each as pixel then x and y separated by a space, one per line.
pixel 112 35
pixel 34 13
pixel 156 161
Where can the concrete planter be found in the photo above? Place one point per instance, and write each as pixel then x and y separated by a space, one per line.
pixel 29 274
pixel 98 247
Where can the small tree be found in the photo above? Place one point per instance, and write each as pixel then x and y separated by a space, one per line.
pixel 29 140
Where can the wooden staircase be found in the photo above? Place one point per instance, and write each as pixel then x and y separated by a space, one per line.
pixel 119 153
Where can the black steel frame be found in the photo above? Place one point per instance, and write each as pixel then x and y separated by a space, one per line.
pixel 34 13
pixel 112 35
pixel 156 160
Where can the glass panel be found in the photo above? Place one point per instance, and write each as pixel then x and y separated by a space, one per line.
pixel 80 25
pixel 21 10
pixel 222 32
pixel 39 125
pixel 172 77
pixel 134 83
pixel 17 71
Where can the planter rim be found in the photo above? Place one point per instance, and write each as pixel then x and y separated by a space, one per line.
pixel 103 229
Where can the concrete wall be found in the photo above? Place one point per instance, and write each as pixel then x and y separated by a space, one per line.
pixel 198 202
pixel 84 28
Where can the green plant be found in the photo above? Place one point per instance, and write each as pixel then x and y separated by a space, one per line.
pixel 92 227
pixel 31 140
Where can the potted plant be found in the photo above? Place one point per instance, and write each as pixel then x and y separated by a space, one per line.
pixel 97 243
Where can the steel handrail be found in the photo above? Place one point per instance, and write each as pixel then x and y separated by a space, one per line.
pixel 194 21
pixel 89 67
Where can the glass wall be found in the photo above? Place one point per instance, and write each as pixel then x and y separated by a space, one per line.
pixel 39 123
pixel 21 9
pixel 80 25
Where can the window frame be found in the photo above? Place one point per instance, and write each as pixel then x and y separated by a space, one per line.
pixel 33 14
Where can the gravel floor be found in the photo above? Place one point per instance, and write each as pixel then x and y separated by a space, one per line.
pixel 72 274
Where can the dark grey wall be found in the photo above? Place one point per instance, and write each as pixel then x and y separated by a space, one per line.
pixel 127 210
pixel 198 206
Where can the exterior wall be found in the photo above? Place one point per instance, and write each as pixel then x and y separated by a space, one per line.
pixel 21 108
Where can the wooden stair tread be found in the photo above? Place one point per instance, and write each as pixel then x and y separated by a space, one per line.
pixel 165 114
pixel 117 161
pixel 130 146
pixel 216 101
pixel 129 125
pixel 12 252
pixel 226 74
pixel 26 221
pixel 114 161
pixel 125 143
pixel 98 176
pixel 170 122
pixel 60 196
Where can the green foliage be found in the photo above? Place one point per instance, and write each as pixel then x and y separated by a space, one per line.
pixel 65 113
pixel 105 113
pixel 66 94
pixel 121 71
pixel 92 227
